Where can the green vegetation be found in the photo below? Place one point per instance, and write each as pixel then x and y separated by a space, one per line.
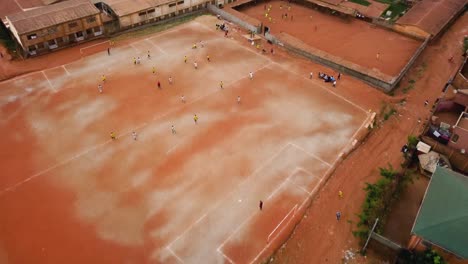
pixel 426 257
pixel 465 44
pixel 396 7
pixel 386 111
pixel 158 27
pixel 361 2
pixel 409 87
pixel 379 200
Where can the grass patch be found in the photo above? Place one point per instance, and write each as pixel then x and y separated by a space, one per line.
pixel 421 69
pixel 386 111
pixel 408 88
pixel 361 2
pixel 397 9
pixel 158 27
pixel 465 44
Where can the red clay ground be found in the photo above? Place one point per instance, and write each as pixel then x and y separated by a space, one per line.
pixel 69 194
pixel 351 39
pixel 321 238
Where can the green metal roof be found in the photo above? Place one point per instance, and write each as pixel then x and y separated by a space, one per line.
pixel 443 216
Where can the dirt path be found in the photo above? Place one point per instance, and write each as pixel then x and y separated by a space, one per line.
pixel 319 236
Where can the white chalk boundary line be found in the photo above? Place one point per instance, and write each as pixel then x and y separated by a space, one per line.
pixel 275 191
pixel 278 225
pixel 50 84
pixel 175 255
pixel 139 127
pixel 94 45
pixel 156 46
pixel 284 67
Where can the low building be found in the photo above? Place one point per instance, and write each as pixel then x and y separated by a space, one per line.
pixel 447 129
pixel 442 219
pixel 429 18
pixel 55 26
pixel 134 13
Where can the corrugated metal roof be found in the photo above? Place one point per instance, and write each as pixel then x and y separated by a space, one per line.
pixel 432 15
pixel 443 216
pixel 126 7
pixel 47 16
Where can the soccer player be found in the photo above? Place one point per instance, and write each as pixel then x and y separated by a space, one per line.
pixel 99 88
pixel 251 75
pixel 185 59
pixel 173 130
pixel 170 80
pixel 238 99
pixel 103 78
pixel 112 135
pixel 182 98
pixel 195 64
pixel 134 135
pixel 195 118
pixel 221 84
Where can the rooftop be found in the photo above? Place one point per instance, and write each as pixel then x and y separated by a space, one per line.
pixel 126 7
pixel 432 15
pixel 443 216
pixel 48 16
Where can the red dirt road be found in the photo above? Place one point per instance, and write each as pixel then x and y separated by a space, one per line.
pixel 350 39
pixel 319 236
pixel 69 194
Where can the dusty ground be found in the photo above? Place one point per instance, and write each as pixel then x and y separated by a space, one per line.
pixel 186 197
pixel 401 220
pixel 350 39
pixel 319 236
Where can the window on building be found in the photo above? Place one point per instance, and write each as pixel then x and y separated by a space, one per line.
pixel 51 42
pixel 151 11
pixel 180 2
pixel 79 34
pixel 91 19
pixel 32 48
pixel 97 29
pixel 455 138
pixel 32 36
pixel 59 40
pixel 73 24
pixel 172 5
pixel 142 13
pixel 40 45
pixel 89 31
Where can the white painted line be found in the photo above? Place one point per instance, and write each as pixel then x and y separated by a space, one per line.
pixel 172 148
pixel 294 209
pixel 90 46
pixel 50 84
pixel 156 46
pixel 226 257
pixel 328 89
pixel 16 185
pixel 22 9
pixel 281 185
pixel 235 231
pixel 175 255
pixel 68 73
pixel 278 225
pixel 135 48
pixel 188 229
pixel 299 186
pixel 308 153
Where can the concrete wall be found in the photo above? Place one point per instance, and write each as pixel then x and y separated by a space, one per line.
pixel 383 82
pixel 235 19
pixel 460 82
pixel 457 159
pixel 462 142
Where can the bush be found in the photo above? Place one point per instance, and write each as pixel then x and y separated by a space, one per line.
pixel 425 257
pixel 379 200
